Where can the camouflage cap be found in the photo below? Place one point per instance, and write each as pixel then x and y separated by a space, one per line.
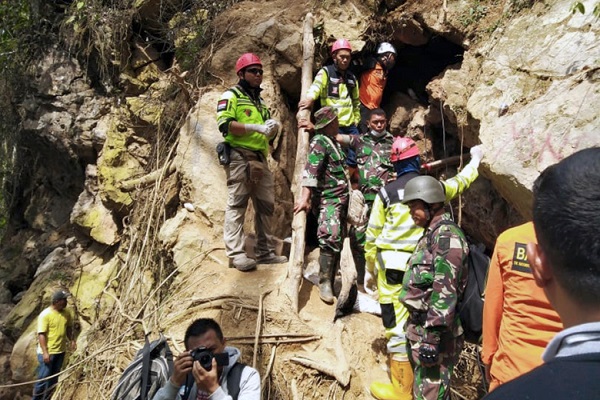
pixel 324 117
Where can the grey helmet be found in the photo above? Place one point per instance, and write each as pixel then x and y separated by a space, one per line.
pixel 425 188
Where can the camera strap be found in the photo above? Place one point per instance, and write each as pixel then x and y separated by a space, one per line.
pixel 234 378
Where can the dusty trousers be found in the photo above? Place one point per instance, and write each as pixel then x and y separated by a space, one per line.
pixel 248 177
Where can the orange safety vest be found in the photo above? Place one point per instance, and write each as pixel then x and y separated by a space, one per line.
pixel 518 320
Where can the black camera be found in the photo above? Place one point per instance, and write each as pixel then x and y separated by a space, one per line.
pixel 205 356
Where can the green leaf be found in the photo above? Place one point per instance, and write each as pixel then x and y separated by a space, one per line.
pixel 80 5
pixel 577 7
pixel 70 20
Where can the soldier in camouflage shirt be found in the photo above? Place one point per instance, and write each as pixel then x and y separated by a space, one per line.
pixel 375 170
pixel 435 280
pixel 325 192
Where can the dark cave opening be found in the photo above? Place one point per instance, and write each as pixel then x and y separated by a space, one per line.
pixel 416 66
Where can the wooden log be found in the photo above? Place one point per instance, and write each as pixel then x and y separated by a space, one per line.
pixel 296 263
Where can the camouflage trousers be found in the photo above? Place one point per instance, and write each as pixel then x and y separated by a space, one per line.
pixel 358 235
pixel 433 383
pixel 331 225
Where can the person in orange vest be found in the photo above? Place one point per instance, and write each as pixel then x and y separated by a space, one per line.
pixel 518 320
pixel 373 81
pixel 565 263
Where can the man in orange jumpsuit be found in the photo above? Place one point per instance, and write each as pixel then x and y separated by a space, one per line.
pixel 518 320
pixel 373 81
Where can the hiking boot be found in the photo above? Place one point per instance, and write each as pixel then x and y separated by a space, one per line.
pixel 243 263
pixel 271 258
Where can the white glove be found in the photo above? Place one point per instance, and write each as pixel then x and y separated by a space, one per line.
pixel 255 128
pixel 272 128
pixel 476 155
pixel 370 281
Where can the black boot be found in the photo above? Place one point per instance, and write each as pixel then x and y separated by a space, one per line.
pixel 326 269
pixel 359 263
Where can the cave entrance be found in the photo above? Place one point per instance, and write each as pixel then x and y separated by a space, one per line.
pixel 416 66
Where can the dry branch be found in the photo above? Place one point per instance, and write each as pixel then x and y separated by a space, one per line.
pixel 276 341
pixel 146 179
pixel 268 371
pixel 296 263
pixel 258 327
pixel 275 335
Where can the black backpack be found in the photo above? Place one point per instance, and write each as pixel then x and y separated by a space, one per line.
pixel 147 373
pixel 470 304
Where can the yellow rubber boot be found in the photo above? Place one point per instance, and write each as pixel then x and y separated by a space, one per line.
pixel 401 386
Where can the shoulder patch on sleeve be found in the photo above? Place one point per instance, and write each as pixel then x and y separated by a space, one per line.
pixel 222 105
pixel 444 243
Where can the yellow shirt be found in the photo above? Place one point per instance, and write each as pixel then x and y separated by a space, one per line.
pixel 54 324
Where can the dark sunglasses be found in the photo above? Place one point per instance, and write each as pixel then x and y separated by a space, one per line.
pixel 255 71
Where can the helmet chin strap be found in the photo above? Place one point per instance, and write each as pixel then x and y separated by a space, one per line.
pixel 430 212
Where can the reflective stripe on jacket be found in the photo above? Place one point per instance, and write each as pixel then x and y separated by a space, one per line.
pixel 336 91
pixel 390 224
pixel 236 105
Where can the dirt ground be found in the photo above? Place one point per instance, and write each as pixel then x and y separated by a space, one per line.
pixel 354 346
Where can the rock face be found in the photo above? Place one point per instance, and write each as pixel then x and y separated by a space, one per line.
pixel 528 92
pixel 530 95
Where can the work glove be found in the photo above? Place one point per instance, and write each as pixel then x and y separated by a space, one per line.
pixel 256 128
pixel 476 155
pixel 429 354
pixel 272 128
pixel 370 282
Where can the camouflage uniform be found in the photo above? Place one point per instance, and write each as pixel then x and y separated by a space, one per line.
pixel 375 170
pixel 325 174
pixel 432 285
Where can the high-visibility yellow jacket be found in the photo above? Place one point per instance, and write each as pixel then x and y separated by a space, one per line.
pixel 235 104
pixel 339 92
pixel 390 225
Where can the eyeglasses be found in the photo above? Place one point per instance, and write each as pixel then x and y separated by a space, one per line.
pixel 255 71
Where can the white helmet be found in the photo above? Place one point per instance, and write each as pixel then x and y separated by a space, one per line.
pixel 385 47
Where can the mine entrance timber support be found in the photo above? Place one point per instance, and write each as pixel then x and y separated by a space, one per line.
pixel 296 263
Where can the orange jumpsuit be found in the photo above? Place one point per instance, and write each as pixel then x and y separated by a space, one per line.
pixel 518 320
pixel 371 87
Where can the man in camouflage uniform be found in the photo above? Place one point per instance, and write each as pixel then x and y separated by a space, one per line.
pixel 435 280
pixel 375 170
pixel 392 236
pixel 325 192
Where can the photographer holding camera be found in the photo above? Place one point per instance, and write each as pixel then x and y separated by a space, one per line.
pixel 207 369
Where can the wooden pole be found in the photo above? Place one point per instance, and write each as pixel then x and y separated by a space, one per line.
pixel 296 264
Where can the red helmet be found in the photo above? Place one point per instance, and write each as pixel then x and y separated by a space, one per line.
pixel 246 60
pixel 403 148
pixel 341 44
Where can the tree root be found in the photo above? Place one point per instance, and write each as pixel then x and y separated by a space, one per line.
pixel 340 371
